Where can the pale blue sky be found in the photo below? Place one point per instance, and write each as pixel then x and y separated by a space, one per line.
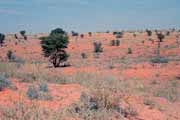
pixel 87 15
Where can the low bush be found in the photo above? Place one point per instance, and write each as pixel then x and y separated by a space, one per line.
pixel 159 59
pixel 98 47
pixel 41 94
pixel 129 51
pixel 12 57
pixel 5 83
pixel 43 87
pixel 83 55
pixel 115 43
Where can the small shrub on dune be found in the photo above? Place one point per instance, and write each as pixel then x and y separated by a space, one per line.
pixel 115 43
pixel 129 51
pixel 90 34
pixel 2 37
pixel 159 59
pixel 22 32
pixel 25 37
pixel 5 83
pixel 74 34
pixel 15 36
pixel 118 34
pixel 43 87
pixel 98 47
pixel 83 55
pixel 167 33
pixel 149 32
pixel 160 36
pixel 82 35
pixel 41 93
pixel 10 55
pixel 32 92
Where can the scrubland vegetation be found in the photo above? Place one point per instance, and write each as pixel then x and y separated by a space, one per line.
pixel 128 75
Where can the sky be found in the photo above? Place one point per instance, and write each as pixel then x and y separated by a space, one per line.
pixel 87 15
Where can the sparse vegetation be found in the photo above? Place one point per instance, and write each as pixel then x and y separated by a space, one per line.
pixel 169 91
pixel 149 32
pixel 74 34
pixel 83 55
pixel 23 33
pixel 42 93
pixel 82 35
pixel 115 43
pixel 90 34
pixel 5 83
pixel 98 47
pixel 10 55
pixel 2 37
pixel 159 59
pixel 129 51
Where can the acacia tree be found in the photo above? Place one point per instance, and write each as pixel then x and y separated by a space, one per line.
pixel 54 46
pixel 2 37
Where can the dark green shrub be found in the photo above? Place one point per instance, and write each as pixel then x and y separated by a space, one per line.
pixel 23 32
pixel 98 47
pixel 119 34
pixel 115 43
pixel 149 32
pixel 83 55
pixel 90 34
pixel 74 34
pixel 129 51
pixel 2 37
pixel 54 46
pixel 160 36
pixel 11 56
pixel 58 31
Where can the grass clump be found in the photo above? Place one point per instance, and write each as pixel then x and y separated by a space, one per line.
pixel 169 91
